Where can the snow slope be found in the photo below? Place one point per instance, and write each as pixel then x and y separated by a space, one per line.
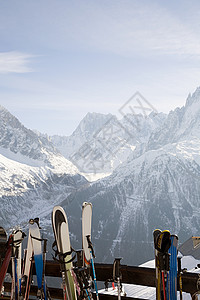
pixel 34 175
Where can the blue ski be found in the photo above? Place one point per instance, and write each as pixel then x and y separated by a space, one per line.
pixel 38 257
pixel 172 280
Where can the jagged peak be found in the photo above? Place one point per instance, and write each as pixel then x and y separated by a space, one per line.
pixel 195 97
pixel 96 114
pixel 92 121
pixel 90 116
pixel 19 139
pixel 9 118
pixel 2 108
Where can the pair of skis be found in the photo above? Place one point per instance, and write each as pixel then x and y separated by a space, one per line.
pixel 165 246
pixel 12 249
pixel 78 278
pixel 34 249
pixel 16 258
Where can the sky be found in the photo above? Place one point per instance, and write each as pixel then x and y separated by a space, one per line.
pixel 61 59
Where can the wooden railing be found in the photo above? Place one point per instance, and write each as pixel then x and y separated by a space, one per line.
pixel 130 275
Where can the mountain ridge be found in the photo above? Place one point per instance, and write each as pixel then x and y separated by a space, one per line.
pixel 155 186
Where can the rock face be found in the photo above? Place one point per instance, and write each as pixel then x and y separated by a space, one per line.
pixel 156 185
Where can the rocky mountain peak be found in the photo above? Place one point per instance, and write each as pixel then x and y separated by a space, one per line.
pixel 91 123
pixel 181 124
pixel 7 118
pixel 193 98
pixel 18 139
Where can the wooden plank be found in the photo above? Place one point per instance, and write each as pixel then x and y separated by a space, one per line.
pixel 145 276
pixel 54 292
pixel 130 275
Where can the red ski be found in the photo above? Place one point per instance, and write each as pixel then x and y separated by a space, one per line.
pixel 6 261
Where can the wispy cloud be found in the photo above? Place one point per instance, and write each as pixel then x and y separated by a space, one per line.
pixel 14 62
pixel 134 28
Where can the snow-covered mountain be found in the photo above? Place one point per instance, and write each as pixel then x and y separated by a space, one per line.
pixel 181 124
pixel 102 142
pixel 157 189
pixel 34 175
pixel 18 139
pixel 160 189
pixel 90 124
pixel 155 185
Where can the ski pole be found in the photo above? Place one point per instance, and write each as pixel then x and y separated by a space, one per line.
pixel 64 286
pixel 163 283
pixel 12 293
pixel 44 286
pixel 94 274
pixel 180 278
pixel 116 275
pixel 92 263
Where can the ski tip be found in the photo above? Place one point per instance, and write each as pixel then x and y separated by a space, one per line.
pixel 162 241
pixel 174 236
pixel 31 221
pixel 157 231
pixel 57 207
pixel 35 221
pixel 86 203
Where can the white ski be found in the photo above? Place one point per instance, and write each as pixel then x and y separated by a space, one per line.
pixel 86 231
pixel 61 233
pixel 88 251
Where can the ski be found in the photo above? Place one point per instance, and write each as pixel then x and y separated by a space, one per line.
pixel 172 286
pixel 162 244
pixel 64 251
pixel 6 261
pixel 156 233
pixel 26 278
pixel 3 244
pixel 3 248
pixel 18 237
pixel 86 231
pixel 88 250
pixel 38 255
